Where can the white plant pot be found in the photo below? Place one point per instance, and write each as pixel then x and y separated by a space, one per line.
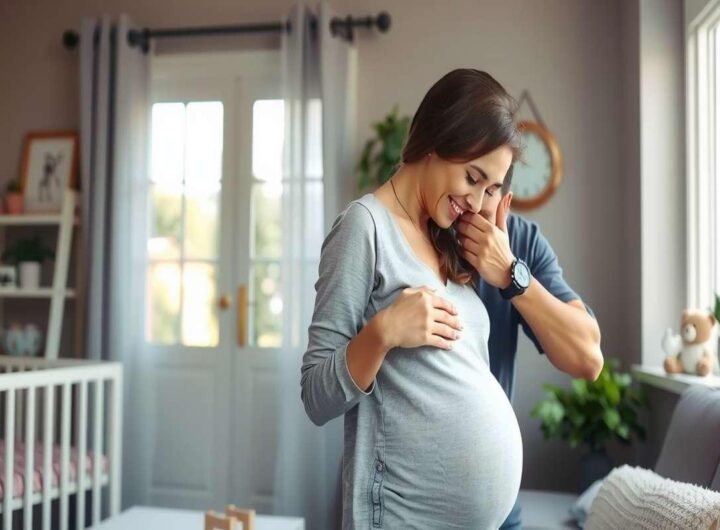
pixel 29 274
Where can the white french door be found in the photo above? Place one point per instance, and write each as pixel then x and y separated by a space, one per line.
pixel 204 423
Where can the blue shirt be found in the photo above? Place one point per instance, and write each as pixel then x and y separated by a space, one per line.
pixel 528 244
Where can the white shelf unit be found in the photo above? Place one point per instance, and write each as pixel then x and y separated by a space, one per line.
pixel 40 292
pixel 58 293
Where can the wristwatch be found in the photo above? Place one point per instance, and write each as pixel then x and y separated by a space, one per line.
pixel 519 280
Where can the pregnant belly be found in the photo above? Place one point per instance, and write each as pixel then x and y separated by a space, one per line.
pixel 453 446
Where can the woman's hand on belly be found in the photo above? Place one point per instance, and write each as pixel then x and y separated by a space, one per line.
pixel 418 317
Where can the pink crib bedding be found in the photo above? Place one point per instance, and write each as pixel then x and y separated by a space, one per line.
pixel 38 460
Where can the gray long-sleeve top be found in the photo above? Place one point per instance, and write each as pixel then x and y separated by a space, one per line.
pixel 434 442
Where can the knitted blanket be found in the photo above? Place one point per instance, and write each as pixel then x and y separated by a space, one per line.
pixel 634 497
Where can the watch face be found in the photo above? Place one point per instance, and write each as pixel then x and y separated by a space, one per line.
pixel 522 274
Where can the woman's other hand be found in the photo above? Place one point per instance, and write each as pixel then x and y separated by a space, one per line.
pixel 419 317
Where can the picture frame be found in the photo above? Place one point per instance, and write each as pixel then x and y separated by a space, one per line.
pixel 49 167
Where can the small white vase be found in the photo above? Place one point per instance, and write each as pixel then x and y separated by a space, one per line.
pixel 29 274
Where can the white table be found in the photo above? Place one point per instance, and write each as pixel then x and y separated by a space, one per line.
pixel 148 518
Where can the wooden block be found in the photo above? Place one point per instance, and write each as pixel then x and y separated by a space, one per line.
pixel 245 515
pixel 219 522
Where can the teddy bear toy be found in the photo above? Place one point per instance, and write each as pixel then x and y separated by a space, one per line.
pixel 693 351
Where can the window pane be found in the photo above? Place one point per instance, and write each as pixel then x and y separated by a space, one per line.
pixel 202 224
pixel 268 306
pixel 164 239
pixel 163 304
pixel 267 139
pixel 168 131
pixel 266 220
pixel 204 143
pixel 199 319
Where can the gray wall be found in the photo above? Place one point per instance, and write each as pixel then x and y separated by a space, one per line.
pixel 570 54
pixel 655 137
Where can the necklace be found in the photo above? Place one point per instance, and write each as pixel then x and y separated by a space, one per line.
pixel 392 184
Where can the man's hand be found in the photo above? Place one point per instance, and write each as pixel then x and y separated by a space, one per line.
pixel 486 245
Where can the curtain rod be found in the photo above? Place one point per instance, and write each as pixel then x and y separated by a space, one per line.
pixel 339 26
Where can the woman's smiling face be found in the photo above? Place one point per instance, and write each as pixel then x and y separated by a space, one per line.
pixel 452 188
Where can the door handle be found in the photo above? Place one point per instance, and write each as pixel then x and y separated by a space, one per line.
pixel 242 310
pixel 225 302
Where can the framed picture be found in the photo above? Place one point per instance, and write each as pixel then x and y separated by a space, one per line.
pixel 49 167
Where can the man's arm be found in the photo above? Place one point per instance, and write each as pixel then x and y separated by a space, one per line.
pixel 567 333
pixel 552 315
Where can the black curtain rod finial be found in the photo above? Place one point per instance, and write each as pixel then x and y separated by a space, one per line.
pixel 70 39
pixel 383 22
pixel 345 27
pixel 139 37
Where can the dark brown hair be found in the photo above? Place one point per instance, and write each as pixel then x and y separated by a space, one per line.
pixel 464 115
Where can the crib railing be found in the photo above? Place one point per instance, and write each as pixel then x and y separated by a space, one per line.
pixel 70 406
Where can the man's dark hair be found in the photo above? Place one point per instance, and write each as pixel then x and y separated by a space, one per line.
pixel 507 181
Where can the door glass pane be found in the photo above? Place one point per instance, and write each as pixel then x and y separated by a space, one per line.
pixel 168 138
pixel 267 139
pixel 186 172
pixel 266 223
pixel 164 302
pixel 199 318
pixel 164 240
pixel 268 306
pixel 203 156
pixel 202 224
pixel 266 220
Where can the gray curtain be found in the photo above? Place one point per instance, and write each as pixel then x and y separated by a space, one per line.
pixel 318 81
pixel 114 123
pixel 114 120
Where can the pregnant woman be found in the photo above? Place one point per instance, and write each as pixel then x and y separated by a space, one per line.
pixel 398 339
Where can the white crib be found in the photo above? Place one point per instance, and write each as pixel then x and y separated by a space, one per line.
pixel 64 417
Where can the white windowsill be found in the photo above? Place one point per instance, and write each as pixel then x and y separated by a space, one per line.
pixel 656 376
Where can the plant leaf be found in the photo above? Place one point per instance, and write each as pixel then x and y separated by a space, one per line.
pixel 611 417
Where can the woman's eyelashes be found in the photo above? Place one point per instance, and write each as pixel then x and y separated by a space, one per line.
pixel 488 191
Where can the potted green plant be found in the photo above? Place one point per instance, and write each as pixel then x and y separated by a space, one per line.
pixel 13 197
pixel 382 153
pixel 593 413
pixel 28 253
